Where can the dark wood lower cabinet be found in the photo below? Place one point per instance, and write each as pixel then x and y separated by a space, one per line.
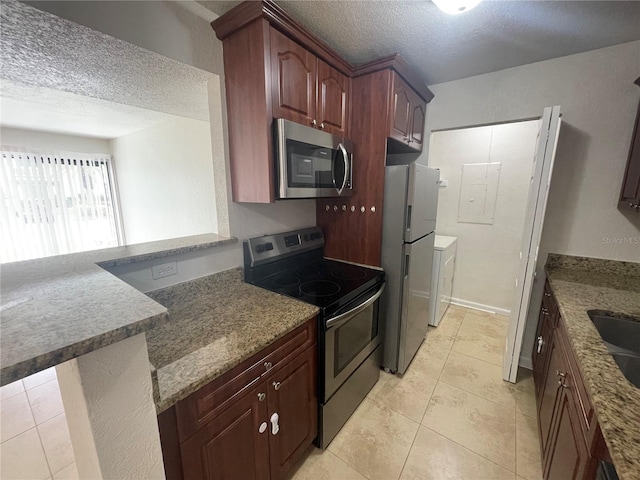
pixel 291 394
pixel 570 439
pixel 255 422
pixel 569 456
pixel 230 446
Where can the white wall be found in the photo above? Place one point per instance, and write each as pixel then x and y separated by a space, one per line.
pixel 599 102
pixel 165 181
pixel 493 247
pixel 53 141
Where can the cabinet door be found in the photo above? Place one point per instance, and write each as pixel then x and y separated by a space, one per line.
pixel 333 100
pixel 630 194
pixel 400 109
pixel 293 80
pixel 231 446
pixel 548 395
pixel 292 396
pixel 418 114
pixel 568 454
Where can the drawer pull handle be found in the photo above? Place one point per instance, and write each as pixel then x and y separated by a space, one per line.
pixel 276 385
pixel 261 397
pixel 540 344
pixel 275 428
pixel 560 374
pixel 563 385
pixel 547 294
pixel 263 427
pixel 268 365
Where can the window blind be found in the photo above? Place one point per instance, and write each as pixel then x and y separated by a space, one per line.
pixel 55 204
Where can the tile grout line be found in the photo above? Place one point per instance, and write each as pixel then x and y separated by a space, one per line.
pixel 469 450
pixel 404 464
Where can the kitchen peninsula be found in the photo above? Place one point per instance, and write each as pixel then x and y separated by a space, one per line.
pixel 70 308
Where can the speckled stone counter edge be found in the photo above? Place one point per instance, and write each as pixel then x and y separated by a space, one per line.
pixel 615 400
pixel 36 364
pixel 595 265
pixel 61 352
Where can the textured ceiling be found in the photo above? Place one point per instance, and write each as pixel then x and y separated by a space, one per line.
pixel 43 52
pixel 493 36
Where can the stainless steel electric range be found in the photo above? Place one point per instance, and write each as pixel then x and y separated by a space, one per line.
pixel 349 330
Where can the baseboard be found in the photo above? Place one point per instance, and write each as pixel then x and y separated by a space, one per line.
pixel 525 362
pixel 480 306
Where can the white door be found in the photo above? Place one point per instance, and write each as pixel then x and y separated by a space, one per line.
pixel 534 217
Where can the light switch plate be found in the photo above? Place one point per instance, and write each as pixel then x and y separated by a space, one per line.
pixel 164 270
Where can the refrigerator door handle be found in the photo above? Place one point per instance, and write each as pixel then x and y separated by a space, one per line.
pixel 408 217
pixel 407 261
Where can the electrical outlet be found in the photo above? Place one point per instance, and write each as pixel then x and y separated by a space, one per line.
pixel 164 270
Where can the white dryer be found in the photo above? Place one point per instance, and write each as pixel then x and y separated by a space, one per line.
pixel 444 260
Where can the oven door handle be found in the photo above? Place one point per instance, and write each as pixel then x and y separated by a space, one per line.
pixel 344 317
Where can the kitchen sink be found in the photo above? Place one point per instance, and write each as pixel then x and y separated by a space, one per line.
pixel 621 334
pixel 629 366
pixel 618 332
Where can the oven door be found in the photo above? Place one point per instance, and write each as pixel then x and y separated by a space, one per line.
pixel 312 163
pixel 350 337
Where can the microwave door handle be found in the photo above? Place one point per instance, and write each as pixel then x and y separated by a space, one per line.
pixel 345 158
pixel 344 317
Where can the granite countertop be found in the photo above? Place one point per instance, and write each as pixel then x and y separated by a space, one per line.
pixel 214 324
pixel 57 308
pixel 580 284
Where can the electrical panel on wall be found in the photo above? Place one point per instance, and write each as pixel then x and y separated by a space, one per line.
pixel 478 192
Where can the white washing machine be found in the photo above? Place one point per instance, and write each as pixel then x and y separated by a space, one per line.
pixel 444 260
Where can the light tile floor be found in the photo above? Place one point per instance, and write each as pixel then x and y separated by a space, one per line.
pixel 451 416
pixel 35 443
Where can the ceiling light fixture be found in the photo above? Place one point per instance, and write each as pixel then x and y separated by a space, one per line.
pixel 455 7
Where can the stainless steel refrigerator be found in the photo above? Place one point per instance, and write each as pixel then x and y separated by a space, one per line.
pixel 408 224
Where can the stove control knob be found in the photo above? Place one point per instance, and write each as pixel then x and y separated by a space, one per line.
pixel 260 248
pixel 268 246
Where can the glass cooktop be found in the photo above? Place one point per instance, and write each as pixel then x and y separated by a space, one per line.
pixel 328 284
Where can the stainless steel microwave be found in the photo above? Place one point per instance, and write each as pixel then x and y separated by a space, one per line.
pixel 311 163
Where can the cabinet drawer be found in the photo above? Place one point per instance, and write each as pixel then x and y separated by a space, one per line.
pixel 200 407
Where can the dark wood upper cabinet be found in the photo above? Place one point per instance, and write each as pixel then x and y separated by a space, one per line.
pixel 333 101
pixel 630 192
pixel 307 90
pixel 388 117
pixel 408 112
pixel 293 80
pixel 418 117
pixel 275 68
pixel 400 110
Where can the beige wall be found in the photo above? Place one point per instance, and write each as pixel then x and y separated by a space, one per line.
pixel 599 102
